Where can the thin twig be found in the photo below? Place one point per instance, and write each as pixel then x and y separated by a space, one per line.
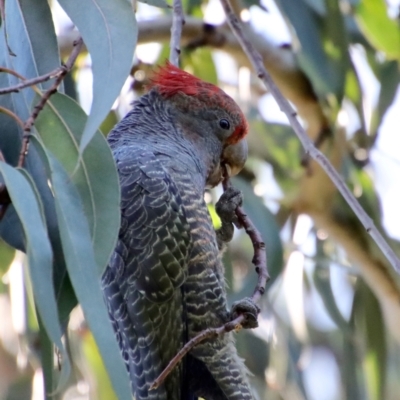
pixel 206 334
pixel 258 65
pixel 178 20
pixel 42 102
pixel 30 82
pixel 260 255
pixel 260 262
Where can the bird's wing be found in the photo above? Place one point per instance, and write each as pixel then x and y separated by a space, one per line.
pixel 141 283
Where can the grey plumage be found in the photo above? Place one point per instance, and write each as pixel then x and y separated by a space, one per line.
pixel 165 281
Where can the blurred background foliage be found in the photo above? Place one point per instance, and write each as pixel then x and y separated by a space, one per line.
pixel 330 321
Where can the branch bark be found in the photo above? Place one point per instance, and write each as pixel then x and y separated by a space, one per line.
pixel 30 82
pixel 178 21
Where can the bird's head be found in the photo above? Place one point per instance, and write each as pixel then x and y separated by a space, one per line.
pixel 208 117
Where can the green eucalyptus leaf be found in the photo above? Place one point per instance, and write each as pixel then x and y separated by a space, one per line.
pixel 277 144
pixel 321 277
pixel 109 31
pixel 109 122
pixel 47 362
pixel 381 31
pixel 323 40
pixel 82 268
pixel 27 204
pixel 104 390
pixel 7 254
pixel 95 177
pixel 389 77
pixel 31 36
pixel 370 323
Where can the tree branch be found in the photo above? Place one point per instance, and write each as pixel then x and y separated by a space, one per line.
pixel 30 82
pixel 64 69
pixel 178 20
pixel 258 65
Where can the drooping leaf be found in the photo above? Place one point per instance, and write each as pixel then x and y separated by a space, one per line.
pixel 370 323
pixel 47 362
pixel 322 283
pixel 26 202
pixel 382 32
pixel 32 37
pixel 7 254
pixel 104 390
pixel 109 31
pixel 95 178
pixel 82 268
pixel 109 122
pixel 350 368
pixel 31 34
pixel 276 144
pixel 323 42
pixel 389 77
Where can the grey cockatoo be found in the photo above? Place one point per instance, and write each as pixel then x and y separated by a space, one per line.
pixel 165 281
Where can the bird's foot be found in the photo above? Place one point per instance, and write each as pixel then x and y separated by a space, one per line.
pixel 226 206
pixel 249 309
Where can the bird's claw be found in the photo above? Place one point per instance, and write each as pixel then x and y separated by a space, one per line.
pixel 227 204
pixel 249 309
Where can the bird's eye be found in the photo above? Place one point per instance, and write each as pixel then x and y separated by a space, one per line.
pixel 224 124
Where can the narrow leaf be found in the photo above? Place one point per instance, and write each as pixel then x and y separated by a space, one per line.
pixel 95 178
pixel 27 205
pixel 375 359
pixel 382 32
pixel 323 42
pixel 322 283
pixel 82 269
pixel 110 32
pixel 32 37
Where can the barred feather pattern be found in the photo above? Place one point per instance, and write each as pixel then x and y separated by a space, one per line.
pixel 165 281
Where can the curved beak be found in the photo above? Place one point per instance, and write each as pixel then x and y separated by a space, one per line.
pixel 234 157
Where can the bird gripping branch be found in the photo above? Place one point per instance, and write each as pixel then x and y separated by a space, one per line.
pixel 165 280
